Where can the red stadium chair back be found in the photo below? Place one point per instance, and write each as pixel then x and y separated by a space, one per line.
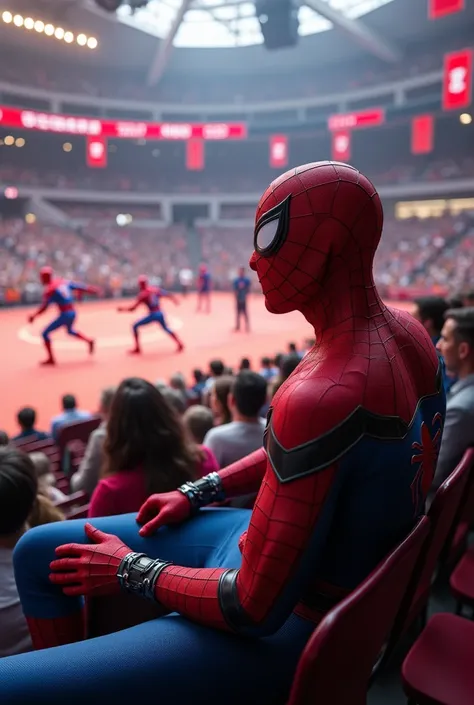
pixel 337 663
pixel 48 447
pixel 443 513
pixel 80 512
pixel 72 441
pixel 458 540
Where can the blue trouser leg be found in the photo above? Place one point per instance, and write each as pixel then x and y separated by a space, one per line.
pixel 209 539
pixel 169 660
pixel 64 319
pixel 145 321
pixel 162 322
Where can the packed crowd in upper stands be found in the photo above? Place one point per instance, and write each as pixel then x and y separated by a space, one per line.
pixel 217 178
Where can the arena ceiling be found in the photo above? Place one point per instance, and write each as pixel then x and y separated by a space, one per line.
pixel 230 23
pixel 198 36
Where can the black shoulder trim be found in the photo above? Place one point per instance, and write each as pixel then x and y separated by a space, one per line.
pixel 234 614
pixel 315 455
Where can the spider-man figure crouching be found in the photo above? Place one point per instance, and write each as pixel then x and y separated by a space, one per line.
pixel 245 589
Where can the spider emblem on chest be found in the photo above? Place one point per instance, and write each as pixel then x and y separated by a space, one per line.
pixel 426 457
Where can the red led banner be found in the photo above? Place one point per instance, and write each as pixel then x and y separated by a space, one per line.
pixel 195 155
pixel 441 8
pixel 341 146
pixel 357 120
pixel 278 151
pixel 457 79
pixel 422 134
pixel 96 152
pixel 124 129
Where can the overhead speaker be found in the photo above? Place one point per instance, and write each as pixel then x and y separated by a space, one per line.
pixel 109 5
pixel 279 23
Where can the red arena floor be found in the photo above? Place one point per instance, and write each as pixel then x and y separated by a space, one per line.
pixel 24 382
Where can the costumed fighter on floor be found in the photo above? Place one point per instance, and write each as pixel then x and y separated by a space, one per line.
pixel 61 292
pixel 150 297
pixel 241 286
pixel 338 486
pixel 204 287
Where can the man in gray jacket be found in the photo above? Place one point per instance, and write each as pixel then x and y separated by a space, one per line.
pixel 456 345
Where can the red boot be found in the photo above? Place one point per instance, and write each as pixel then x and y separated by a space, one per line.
pixel 50 359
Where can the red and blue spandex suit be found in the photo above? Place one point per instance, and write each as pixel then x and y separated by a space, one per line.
pixel 150 297
pixel 342 477
pixel 61 293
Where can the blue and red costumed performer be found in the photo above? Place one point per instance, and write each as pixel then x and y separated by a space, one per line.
pixel 61 292
pixel 241 286
pixel 204 287
pixel 340 480
pixel 150 297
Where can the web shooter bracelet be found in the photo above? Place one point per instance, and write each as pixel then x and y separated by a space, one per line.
pixel 138 574
pixel 204 491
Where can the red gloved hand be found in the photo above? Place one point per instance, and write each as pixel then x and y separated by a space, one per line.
pixel 89 569
pixel 162 509
pixel 31 319
pixel 242 540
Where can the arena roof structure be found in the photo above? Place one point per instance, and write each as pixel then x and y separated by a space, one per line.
pixel 223 23
pixel 222 37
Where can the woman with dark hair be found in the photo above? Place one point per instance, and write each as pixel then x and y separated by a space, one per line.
pixel 218 400
pixel 146 451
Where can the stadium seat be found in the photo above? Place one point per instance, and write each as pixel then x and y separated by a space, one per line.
pixel 442 514
pixel 72 441
pixel 438 668
pixel 336 665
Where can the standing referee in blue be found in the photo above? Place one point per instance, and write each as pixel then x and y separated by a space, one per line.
pixel 242 289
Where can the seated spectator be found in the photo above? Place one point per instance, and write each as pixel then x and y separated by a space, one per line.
pixel 219 400
pixel 46 480
pixel 244 364
pixel 293 350
pixel 216 370
pixel 18 488
pixel 146 451
pixel 44 512
pixel 198 420
pixel 430 310
pixel 199 383
pixel 456 345
pixel 173 397
pixel 87 476
pixel 26 418
pixel 267 370
pixel 4 440
pixel 469 298
pixel 178 384
pixel 288 364
pixel 244 434
pixel 70 414
pixel 455 302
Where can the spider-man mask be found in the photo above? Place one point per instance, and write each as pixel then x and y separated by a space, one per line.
pixel 317 222
pixel 46 275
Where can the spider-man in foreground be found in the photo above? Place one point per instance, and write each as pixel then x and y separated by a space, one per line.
pixel 338 489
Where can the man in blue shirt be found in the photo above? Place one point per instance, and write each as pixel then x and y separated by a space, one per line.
pixel 70 414
pixel 242 289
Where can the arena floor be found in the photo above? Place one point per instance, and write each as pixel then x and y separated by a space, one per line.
pixel 24 382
